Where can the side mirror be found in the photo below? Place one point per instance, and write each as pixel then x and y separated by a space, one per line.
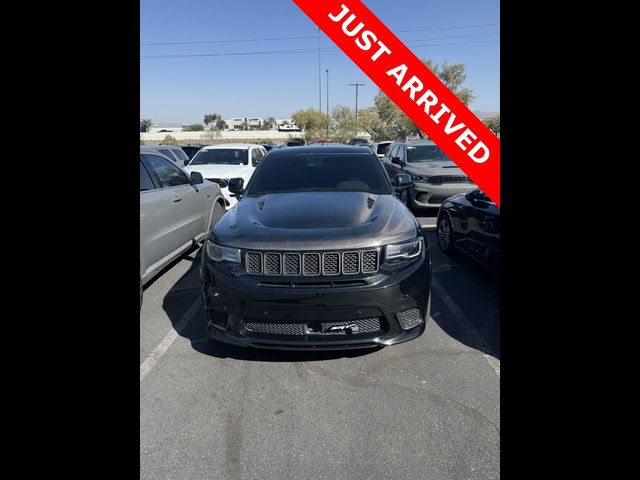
pixel 397 160
pixel 403 181
pixel 472 195
pixel 196 178
pixel 236 185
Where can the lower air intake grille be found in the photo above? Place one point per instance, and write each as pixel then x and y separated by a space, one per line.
pixel 409 318
pixel 344 327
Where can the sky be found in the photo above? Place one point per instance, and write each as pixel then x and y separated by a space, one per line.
pixel 183 89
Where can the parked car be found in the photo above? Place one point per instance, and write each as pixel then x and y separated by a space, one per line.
pixel 296 142
pixel 435 177
pixel 471 223
pixel 359 141
pixel 176 210
pixel 269 146
pixel 318 253
pixel 174 152
pixel 218 163
pixel 380 148
pixel 191 149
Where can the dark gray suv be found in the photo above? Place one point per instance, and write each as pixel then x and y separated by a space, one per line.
pixel 435 177
pixel 318 253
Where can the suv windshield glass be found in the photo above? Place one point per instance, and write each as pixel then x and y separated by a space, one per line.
pixel 319 172
pixel 221 156
pixel 179 153
pixel 425 153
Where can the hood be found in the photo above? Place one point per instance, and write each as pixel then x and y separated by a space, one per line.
pixel 221 171
pixel 434 168
pixel 316 221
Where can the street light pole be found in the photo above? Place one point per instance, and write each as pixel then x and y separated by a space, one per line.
pixel 319 76
pixel 327 103
pixel 357 85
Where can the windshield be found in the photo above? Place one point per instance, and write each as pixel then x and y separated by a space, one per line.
pixel 425 153
pixel 220 156
pixel 319 172
pixel 179 153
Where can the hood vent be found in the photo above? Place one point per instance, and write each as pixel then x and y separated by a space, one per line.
pixel 370 202
pixel 261 204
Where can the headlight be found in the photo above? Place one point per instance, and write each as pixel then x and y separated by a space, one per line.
pixel 421 178
pixel 218 253
pixel 400 254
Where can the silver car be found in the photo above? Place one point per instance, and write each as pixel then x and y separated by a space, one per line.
pixel 435 177
pixel 177 210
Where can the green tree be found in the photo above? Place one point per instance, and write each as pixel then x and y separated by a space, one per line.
pixel 221 124
pixel 269 123
pixel 343 123
pixel 194 127
pixel 313 122
pixel 169 140
pixel 211 119
pixel 145 124
pixel 393 124
pixel 493 124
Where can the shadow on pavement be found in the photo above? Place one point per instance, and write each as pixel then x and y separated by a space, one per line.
pixel 186 292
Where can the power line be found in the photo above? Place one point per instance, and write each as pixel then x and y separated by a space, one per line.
pixel 306 37
pixel 306 50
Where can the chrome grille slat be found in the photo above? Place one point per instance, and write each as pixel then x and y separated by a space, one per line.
pixel 312 264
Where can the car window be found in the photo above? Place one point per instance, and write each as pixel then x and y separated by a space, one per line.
pixel 425 153
pixel 166 172
pixel 167 152
pixel 314 172
pixel 382 148
pixel 179 154
pixel 394 151
pixel 401 153
pixel 256 156
pixel 221 156
pixel 145 179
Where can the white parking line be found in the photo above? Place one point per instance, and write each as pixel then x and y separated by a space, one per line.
pixel 166 342
pixel 466 324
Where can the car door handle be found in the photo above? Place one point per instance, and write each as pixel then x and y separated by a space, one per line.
pixel 177 199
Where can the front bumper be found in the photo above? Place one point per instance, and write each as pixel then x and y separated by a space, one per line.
pixel 426 195
pixel 320 318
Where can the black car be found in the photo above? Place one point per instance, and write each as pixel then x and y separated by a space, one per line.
pixel 471 223
pixel 318 253
pixel 359 141
pixel 192 149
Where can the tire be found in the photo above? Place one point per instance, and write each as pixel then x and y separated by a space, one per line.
pixel 444 232
pixel 218 212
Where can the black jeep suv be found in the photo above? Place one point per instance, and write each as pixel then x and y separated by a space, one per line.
pixel 318 253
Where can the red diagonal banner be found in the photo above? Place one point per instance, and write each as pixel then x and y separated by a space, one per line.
pixel 412 87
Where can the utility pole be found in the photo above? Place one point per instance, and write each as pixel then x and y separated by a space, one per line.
pixel 357 85
pixel 319 75
pixel 327 104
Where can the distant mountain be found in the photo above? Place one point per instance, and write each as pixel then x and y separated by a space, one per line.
pixel 482 115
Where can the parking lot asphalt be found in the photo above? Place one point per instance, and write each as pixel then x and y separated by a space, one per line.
pixel 425 409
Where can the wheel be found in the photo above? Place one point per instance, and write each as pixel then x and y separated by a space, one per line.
pixel 445 234
pixel 218 212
